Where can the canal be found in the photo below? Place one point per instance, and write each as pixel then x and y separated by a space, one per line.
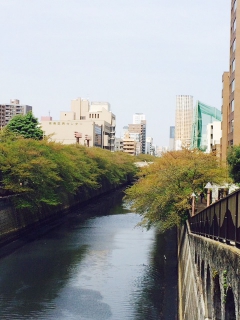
pixel 95 264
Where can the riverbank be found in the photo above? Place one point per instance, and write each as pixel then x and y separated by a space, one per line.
pixel 20 226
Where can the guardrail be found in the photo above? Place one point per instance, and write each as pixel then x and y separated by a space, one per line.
pixel 220 221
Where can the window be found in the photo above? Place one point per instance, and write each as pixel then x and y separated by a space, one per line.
pixel 234 45
pixel 233 85
pixel 89 115
pixel 234 25
pixel 232 106
pixel 233 65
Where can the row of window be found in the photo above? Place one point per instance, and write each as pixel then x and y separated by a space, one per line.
pixel 63 123
pixel 94 115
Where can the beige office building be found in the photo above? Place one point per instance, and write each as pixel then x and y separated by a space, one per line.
pixel 231 87
pixel 14 108
pixel 139 129
pixel 90 124
pixel 129 144
pixel 183 121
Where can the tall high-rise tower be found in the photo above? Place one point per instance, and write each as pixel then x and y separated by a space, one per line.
pixel 231 87
pixel 183 121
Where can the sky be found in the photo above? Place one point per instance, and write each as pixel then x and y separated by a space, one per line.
pixel 135 54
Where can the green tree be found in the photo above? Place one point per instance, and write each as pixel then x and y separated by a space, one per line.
pixel 233 160
pixel 26 126
pixel 43 173
pixel 162 195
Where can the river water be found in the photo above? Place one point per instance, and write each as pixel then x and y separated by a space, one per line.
pixel 95 265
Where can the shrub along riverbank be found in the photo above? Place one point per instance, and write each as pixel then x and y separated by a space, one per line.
pixel 40 173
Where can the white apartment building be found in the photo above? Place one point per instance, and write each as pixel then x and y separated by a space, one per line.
pixel 91 124
pixel 214 134
pixel 14 108
pixel 183 121
pixel 149 145
pixel 138 118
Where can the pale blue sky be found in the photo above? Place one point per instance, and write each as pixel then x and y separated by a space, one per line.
pixel 135 54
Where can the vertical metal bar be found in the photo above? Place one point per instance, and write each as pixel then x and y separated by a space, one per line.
pixel 226 220
pixel 236 218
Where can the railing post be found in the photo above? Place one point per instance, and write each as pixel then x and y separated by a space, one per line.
pixel 226 221
pixel 219 218
pixel 236 219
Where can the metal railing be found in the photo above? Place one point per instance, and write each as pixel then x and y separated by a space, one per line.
pixel 220 221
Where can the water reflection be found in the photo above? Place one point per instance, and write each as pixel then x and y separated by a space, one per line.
pixel 96 265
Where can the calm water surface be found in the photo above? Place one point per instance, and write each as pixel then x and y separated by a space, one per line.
pixel 96 265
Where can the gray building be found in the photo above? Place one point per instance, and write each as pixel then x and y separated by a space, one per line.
pixel 14 108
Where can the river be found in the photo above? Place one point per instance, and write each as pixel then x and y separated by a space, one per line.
pixel 95 264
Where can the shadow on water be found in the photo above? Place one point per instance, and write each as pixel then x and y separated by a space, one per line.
pixel 158 297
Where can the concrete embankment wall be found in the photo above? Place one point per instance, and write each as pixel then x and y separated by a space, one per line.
pixel 209 274
pixel 190 296
pixel 14 223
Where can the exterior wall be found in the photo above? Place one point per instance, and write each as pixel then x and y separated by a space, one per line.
pixel 234 80
pixel 98 106
pixel 231 106
pixel 208 271
pixel 225 112
pixel 129 144
pixel 138 117
pixel 149 142
pixel 172 138
pixel 214 134
pixel 64 131
pixel 8 111
pixel 183 121
pixel 82 118
pixel 139 128
pixel 118 144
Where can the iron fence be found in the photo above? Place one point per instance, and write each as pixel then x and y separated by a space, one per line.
pixel 220 221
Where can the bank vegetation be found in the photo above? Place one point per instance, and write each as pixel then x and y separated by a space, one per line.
pixel 36 172
pixel 162 194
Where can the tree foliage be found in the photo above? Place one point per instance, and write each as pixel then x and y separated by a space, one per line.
pixel 163 192
pixel 233 159
pixel 41 172
pixel 26 126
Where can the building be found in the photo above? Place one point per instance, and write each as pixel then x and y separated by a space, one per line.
pixel 118 144
pixel 214 134
pixel 129 144
pixel 14 108
pixel 172 138
pixel 149 145
pixel 204 115
pixel 231 87
pixel 90 124
pixel 183 121
pixel 139 130
pixel 138 118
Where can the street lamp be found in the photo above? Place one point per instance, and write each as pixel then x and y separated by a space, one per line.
pixel 193 204
pixel 208 186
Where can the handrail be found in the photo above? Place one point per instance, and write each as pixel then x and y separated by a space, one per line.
pixel 220 221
